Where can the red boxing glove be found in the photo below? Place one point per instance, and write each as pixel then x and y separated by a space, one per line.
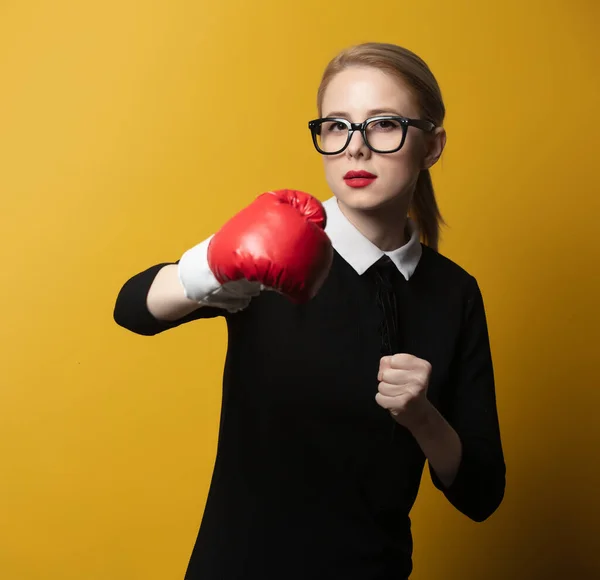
pixel 279 241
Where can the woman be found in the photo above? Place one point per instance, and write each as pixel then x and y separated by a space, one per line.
pixel 332 405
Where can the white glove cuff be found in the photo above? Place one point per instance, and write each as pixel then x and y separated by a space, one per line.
pixel 200 284
pixel 195 274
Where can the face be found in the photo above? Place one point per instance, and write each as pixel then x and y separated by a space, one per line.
pixel 356 94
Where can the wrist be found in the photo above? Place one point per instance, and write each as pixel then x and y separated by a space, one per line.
pixel 422 418
pixel 201 285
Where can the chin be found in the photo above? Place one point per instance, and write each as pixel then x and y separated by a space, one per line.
pixel 365 199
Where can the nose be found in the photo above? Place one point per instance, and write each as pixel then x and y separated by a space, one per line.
pixel 357 146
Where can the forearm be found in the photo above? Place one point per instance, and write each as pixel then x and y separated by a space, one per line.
pixel 166 298
pixel 465 454
pixel 132 310
pixel 170 294
pixel 440 443
pixel 470 471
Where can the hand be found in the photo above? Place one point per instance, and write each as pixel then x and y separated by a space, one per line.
pixel 404 380
pixel 278 241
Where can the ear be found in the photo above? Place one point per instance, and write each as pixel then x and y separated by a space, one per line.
pixel 434 146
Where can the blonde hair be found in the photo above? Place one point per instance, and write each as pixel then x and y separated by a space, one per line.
pixel 413 72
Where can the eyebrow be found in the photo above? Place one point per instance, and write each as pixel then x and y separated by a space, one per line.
pixel 370 113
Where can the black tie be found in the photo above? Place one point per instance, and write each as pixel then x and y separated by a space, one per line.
pixel 385 274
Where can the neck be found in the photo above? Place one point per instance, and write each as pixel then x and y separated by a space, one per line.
pixel 385 227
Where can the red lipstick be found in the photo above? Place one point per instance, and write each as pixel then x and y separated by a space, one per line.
pixel 359 178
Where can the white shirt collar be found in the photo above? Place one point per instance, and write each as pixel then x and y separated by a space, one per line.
pixel 361 253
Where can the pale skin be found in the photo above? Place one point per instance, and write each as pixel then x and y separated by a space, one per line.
pixel 166 298
pixel 379 212
pixel 403 383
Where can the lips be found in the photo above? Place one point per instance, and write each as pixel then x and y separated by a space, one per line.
pixel 359 178
pixel 359 175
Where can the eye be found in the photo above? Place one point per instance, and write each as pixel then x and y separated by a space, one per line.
pixel 336 126
pixel 385 125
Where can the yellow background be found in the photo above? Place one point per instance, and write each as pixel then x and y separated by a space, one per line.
pixel 130 130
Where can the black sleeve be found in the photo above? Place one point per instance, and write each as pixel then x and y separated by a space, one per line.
pixel 478 488
pixel 131 310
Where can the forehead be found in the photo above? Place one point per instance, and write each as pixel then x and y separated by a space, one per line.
pixel 358 90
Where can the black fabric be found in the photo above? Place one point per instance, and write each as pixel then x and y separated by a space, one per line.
pixel 131 310
pixel 385 276
pixel 308 483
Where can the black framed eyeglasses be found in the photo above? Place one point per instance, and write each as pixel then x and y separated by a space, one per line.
pixel 381 134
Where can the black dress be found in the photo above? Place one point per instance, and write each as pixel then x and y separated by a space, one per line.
pixel 313 480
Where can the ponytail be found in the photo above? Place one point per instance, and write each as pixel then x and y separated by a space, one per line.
pixel 425 211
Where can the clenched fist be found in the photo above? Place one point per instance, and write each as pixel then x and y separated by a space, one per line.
pixel 279 240
pixel 403 383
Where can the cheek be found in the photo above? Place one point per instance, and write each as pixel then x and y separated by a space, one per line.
pixel 404 164
pixel 331 165
pixel 413 149
pixel 398 167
